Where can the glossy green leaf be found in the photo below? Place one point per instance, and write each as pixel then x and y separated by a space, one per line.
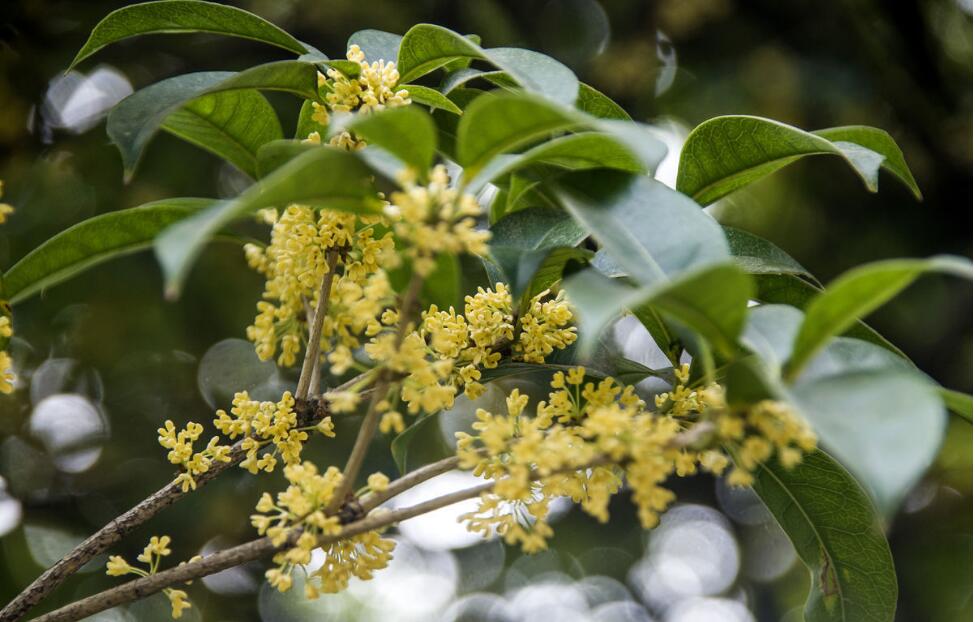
pixel 324 177
pixel 426 47
pixel 92 242
pixel 598 105
pixel 651 231
pixel 447 123
pixel 461 77
pixel 798 291
pixel 425 96
pixel 726 153
pixel 184 16
pixel 573 152
pixel 757 255
pixel 442 287
pixel 878 141
pixel 232 125
pixel 711 301
pixel 858 292
pixel 837 535
pixel 135 120
pixel 866 417
pixel 406 132
pixel 533 246
pixel 376 44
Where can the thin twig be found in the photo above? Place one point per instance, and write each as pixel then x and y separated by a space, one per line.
pixel 371 421
pixel 408 481
pixel 118 528
pixel 228 558
pixel 314 348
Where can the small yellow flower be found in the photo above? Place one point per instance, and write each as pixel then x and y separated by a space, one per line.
pixel 179 602
pixel 378 482
pixel 117 566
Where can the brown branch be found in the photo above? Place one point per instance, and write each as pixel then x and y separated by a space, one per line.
pixel 228 558
pixel 371 421
pixel 314 348
pixel 408 481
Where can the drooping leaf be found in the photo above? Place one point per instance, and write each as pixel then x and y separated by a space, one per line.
pixel 184 16
pixel 232 124
pixel 405 132
pixel 376 44
pixel 726 153
pixel 877 141
pixel 94 241
pixel 426 47
pixel 711 301
pixel 134 121
pixel 837 535
pixel 798 291
pixel 884 425
pixel 858 292
pixel 425 96
pixel 651 231
pixel 325 177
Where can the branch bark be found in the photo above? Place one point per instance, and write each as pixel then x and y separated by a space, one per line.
pixel 310 365
pixel 228 558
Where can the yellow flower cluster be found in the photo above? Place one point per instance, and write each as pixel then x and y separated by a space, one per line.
pixel 267 423
pixel 374 88
pixel 435 218
pixel 180 446
pixel 7 376
pixel 587 436
pixel 151 555
pixel 753 435
pixel 295 263
pixel 298 517
pixel 447 351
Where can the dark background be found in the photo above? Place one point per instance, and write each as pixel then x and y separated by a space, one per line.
pixel 903 66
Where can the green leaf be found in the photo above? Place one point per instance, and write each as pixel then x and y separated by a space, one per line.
pixel 878 141
pixel 726 153
pixel 376 45
pixel 425 96
pixel 271 156
pixel 598 105
pixel 306 125
pixel 533 246
pixel 426 47
pixel 406 132
pixel 957 402
pixel 573 152
pixel 858 292
pixel 233 125
pixel 794 290
pixel 92 242
pixel 757 255
pixel 885 425
pixel 408 454
pixel 836 533
pixel 323 177
pixel 447 123
pixel 184 16
pixel 653 232
pixel 712 301
pixel 134 121
pixel 442 287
